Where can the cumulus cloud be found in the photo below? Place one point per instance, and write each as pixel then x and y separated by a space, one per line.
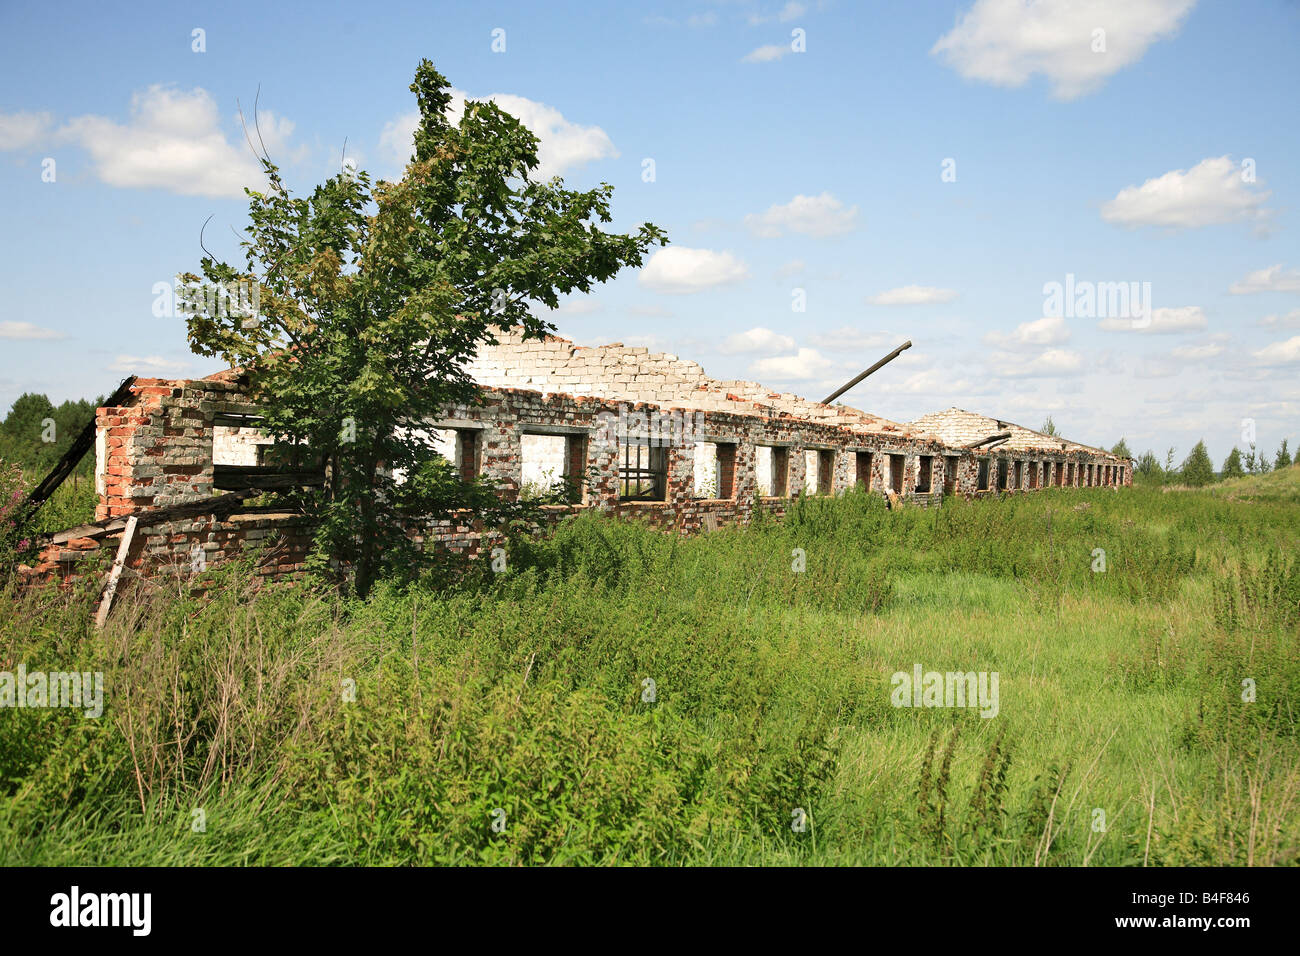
pixel 1187 318
pixel 817 216
pixel 1212 347
pixel 1029 335
pixel 1290 319
pixel 848 337
pixel 563 144
pixel 791 11
pixel 1046 364
pixel 1005 42
pixel 174 141
pixel 913 295
pixel 766 54
pixel 803 366
pixel 23 130
pixel 1272 279
pixel 679 270
pixel 580 306
pixel 1211 193
pixel 27 331
pixel 756 341
pixel 1280 353
pixel 156 366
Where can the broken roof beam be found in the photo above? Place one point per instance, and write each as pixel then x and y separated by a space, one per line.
pixel 991 440
pixel 59 473
pixel 884 361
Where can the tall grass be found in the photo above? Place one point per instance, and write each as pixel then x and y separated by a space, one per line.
pixel 620 695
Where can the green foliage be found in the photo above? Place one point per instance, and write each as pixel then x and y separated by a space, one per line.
pixel 1049 426
pixel 36 434
pixel 1197 470
pixel 1232 465
pixel 526 692
pixel 1283 459
pixel 1121 449
pixel 372 297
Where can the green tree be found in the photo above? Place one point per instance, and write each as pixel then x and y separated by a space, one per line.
pixel 1197 469
pixel 1121 449
pixel 1148 465
pixel 1283 459
pixel 370 300
pixel 1232 465
pixel 1049 427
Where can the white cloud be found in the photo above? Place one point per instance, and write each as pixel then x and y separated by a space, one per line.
pixel 790 268
pixel 848 337
pixel 1186 318
pixel 1036 334
pixel 23 130
pixel 1005 42
pixel 702 19
pixel 677 269
pixel 1046 364
pixel 649 311
pixel 174 141
pixel 913 295
pixel 563 145
pixel 756 341
pixel 766 54
pixel 1212 347
pixel 581 306
pixel 805 365
pixel 1290 319
pixel 1272 279
pixel 1210 193
pixel 1280 353
pixel 791 11
pixel 150 365
pixel 817 216
pixel 25 330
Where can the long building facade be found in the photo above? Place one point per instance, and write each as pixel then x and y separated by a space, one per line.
pixel 637 434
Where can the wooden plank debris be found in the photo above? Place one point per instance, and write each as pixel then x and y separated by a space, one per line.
pixel 118 563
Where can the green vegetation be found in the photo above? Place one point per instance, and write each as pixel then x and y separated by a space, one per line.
pixel 365 302
pixel 529 692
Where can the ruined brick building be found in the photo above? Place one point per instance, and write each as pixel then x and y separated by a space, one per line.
pixel 647 435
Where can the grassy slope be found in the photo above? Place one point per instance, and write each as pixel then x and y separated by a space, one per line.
pixel 1119 691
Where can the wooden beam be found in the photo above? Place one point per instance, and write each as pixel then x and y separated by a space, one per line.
pixel 109 526
pixel 41 493
pixel 122 550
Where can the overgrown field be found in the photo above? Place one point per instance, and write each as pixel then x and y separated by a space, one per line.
pixel 513 719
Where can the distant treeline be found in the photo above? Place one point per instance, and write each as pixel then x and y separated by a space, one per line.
pixel 36 433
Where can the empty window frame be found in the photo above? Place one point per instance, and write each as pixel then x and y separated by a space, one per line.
pixel 862 469
pixel 819 471
pixel 825 472
pixel 1034 468
pixel 1004 474
pixel 550 465
pixel 1018 474
pixel 1069 474
pixel 715 470
pixel 771 470
pixel 924 466
pixel 642 470
pixel 950 474
pixel 982 483
pixel 897 466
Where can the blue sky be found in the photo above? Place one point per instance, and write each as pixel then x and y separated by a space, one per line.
pixel 1161 150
